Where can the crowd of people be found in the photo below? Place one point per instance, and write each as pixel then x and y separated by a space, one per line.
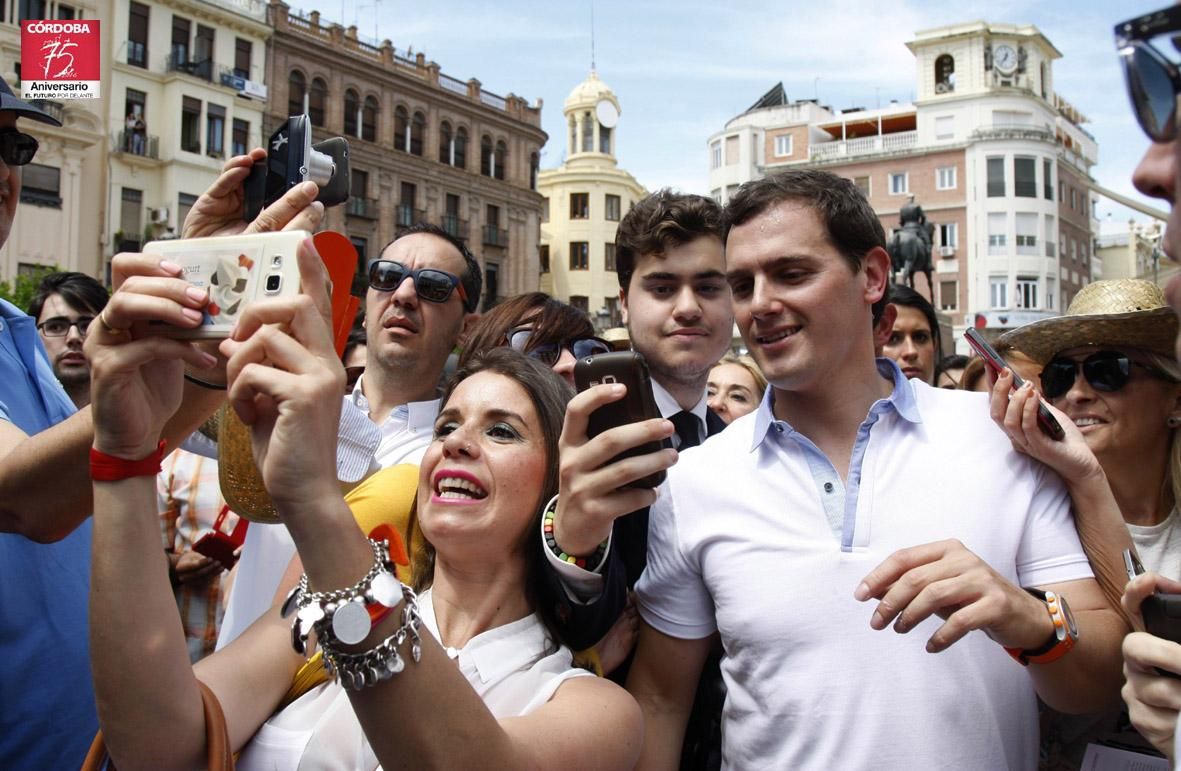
pixel 854 561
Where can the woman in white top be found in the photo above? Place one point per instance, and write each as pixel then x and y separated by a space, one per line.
pixel 491 688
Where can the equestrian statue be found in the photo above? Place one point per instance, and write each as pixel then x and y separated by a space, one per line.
pixel 910 248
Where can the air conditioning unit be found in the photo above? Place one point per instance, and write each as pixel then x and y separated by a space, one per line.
pixel 947 251
pixel 160 216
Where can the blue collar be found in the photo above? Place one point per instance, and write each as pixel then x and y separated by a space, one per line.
pixel 901 400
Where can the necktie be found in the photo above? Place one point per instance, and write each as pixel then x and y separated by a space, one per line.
pixel 688 429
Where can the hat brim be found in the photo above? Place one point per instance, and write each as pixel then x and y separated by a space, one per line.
pixel 9 103
pixel 1154 330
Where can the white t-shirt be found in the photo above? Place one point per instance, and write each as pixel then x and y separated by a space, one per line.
pixel 741 540
pixel 515 669
pixel 1159 545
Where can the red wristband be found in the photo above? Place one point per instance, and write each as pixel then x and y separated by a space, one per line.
pixel 108 468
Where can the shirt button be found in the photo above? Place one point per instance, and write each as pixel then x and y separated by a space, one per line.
pixel 828 487
pixel 779 427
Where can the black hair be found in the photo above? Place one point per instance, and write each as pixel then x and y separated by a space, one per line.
pixel 80 291
pixel 900 294
pixel 473 278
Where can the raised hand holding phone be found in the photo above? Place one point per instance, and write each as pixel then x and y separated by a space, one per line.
pixel 1046 420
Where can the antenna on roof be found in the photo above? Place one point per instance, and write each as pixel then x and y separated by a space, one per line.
pixel 592 5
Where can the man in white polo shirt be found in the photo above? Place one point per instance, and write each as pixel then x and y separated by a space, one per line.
pixel 850 501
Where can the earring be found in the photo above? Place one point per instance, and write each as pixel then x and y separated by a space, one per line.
pixel 1174 421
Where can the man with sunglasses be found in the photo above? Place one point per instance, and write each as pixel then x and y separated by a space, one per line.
pixel 64 307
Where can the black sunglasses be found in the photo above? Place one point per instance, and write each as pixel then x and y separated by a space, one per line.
pixel 549 353
pixel 16 147
pixel 432 284
pixel 1107 371
pixel 59 326
pixel 1153 81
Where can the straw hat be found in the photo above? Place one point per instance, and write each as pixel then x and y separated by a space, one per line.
pixel 1122 312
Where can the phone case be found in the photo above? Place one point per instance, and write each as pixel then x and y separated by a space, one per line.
pixel 1162 618
pixel 629 368
pixel 1045 419
pixel 237 270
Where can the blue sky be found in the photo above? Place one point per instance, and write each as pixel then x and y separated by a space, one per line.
pixel 682 69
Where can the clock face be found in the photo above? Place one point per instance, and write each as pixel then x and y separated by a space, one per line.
pixel 1006 58
pixel 606 113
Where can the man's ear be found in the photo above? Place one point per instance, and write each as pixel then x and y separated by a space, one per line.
pixel 623 306
pixel 469 321
pixel 877 267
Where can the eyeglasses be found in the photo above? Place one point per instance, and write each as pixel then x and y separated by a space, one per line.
pixel 59 326
pixel 431 284
pixel 1107 371
pixel 16 147
pixel 549 353
pixel 1153 81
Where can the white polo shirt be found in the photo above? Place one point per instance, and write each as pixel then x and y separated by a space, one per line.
pixel 751 536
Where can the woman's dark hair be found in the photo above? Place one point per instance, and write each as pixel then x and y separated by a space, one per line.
pixel 553 321
pixel 549 395
pixel 900 294
pixel 950 361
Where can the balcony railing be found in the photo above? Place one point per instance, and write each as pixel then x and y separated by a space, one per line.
pixel 56 109
pixel 495 236
pixel 406 215
pixel 453 225
pixel 886 143
pixel 143 145
pixel 180 62
pixel 362 207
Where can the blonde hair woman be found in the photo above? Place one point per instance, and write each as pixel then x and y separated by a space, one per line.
pixel 735 387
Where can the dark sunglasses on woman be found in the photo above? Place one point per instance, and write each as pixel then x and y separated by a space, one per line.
pixel 16 147
pixel 1153 79
pixel 431 284
pixel 549 353
pixel 1106 371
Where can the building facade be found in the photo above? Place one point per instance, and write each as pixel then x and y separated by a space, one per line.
pixel 585 198
pixel 1133 250
pixel 187 91
pixel 60 220
pixel 424 146
pixel 999 162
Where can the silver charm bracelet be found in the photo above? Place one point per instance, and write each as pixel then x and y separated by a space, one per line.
pixel 362 670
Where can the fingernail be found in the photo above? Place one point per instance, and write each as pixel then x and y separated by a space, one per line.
pixel 195 294
pixel 900 626
pixel 861 593
pixel 932 647
pixel 209 359
pixel 191 313
pixel 170 266
pixel 877 621
pixel 310 188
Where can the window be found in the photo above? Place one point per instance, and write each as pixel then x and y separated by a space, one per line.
pixel 352 113
pixel 534 169
pixel 945 178
pixel 369 119
pixel 66 12
pixel 609 257
pixel 461 148
pixel 612 207
pixel 401 129
pixel 579 256
pixel 862 184
pixel 133 138
pixel 499 159
pixel 317 101
pixel 1073 199
pixel 181 31
pixel 996 177
pixel 543 257
pixel 1025 177
pixel 998 291
pixel 445 143
pixel 1026 292
pixel 573 134
pixel 899 183
pixel 1050 292
pixel 579 206
pixel 1050 246
pixel 1048 188
pixel 580 302
pixel 184 202
pixel 451 221
pixel 297 93
pixel 486 155
pixel 945 127
pixel 215 131
pixel 997 226
pixel 715 155
pixel 417 131
pixel 240 141
pixel 604 140
pixel 731 150
pixel 492 218
pixel 612 306
pixel 137 35
pixel 190 125
pixel 1027 226
pixel 949 235
pixel 41 185
pixel 948 295
pixel 783 144
pixel 203 53
pixel 944 74
pixel 358 183
pixel 362 247
pixel 491 285
pixel 131 216
pixel 545 209
pixel 588 132
pixel 243 52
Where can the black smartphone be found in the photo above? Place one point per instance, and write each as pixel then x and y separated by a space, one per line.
pixel 629 368
pixel 292 159
pixel 1161 612
pixel 1045 419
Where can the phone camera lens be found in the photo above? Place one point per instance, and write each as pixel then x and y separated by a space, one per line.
pixel 277 261
pixel 274 281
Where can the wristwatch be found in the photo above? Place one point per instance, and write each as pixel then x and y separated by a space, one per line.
pixel 1063 638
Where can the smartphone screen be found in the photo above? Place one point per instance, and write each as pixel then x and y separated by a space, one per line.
pixel 1045 419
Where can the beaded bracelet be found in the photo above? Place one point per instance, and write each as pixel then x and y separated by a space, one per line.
pixel 591 563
